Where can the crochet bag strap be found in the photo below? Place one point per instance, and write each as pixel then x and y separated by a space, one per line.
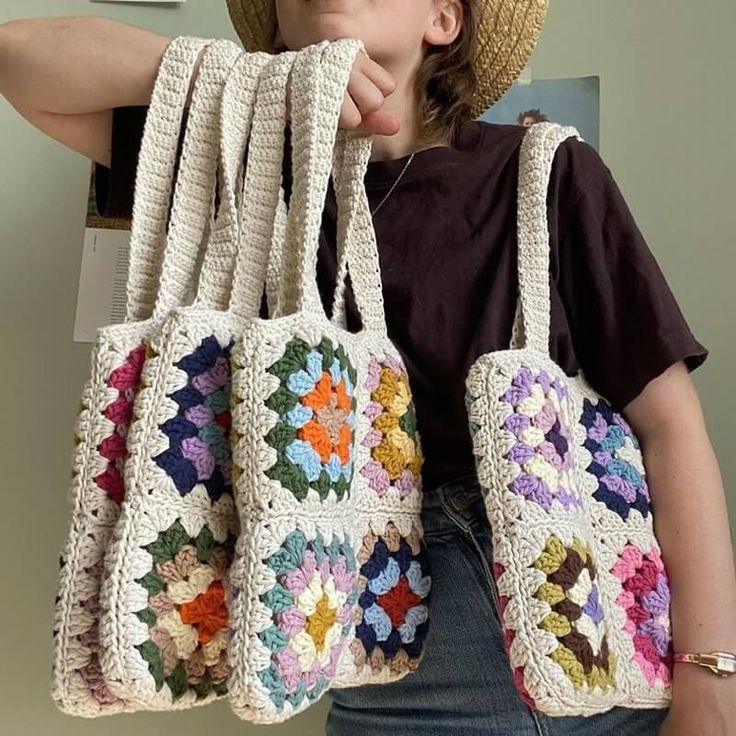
pixel 339 316
pixel 236 117
pixel 155 172
pixel 336 62
pixel 262 195
pixel 193 204
pixel 276 259
pixel 305 121
pixel 535 169
pixel 357 248
pixel 318 85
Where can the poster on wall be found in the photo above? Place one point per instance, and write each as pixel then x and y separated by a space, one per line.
pixel 101 298
pixel 565 101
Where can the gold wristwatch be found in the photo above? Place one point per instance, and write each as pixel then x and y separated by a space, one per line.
pixel 722 663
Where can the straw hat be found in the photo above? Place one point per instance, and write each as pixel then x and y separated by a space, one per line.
pixel 507 34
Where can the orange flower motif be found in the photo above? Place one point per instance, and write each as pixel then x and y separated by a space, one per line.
pixel 317 436
pixel 328 432
pixel 207 612
pixel 320 395
pixel 316 427
pixel 343 445
pixel 343 400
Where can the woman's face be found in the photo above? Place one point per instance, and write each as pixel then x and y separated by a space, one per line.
pixel 390 29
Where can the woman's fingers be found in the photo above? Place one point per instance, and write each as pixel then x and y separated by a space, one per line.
pixel 377 74
pixel 350 117
pixel 368 88
pixel 380 123
pixel 364 93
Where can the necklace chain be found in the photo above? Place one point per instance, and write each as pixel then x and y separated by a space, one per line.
pixel 393 186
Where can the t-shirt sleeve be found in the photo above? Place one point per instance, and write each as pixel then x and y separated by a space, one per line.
pixel 114 186
pixel 625 324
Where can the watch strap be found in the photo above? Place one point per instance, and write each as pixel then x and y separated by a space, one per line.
pixel 722 663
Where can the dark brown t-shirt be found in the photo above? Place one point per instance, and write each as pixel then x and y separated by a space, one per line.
pixel 447 243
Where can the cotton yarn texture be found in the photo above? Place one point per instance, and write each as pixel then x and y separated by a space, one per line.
pixel 583 590
pixel 246 496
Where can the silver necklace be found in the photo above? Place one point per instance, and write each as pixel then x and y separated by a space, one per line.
pixel 395 184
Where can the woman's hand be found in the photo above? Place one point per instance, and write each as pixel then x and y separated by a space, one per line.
pixel 702 704
pixel 369 86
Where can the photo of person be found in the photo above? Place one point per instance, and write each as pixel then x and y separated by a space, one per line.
pixel 573 101
pixel 530 117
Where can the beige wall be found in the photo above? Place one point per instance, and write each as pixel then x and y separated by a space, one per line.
pixel 667 134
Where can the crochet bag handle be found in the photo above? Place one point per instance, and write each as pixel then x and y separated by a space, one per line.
pixel 318 85
pixel 155 172
pixel 193 205
pixel 535 169
pixel 236 118
pixel 262 195
pixel 357 248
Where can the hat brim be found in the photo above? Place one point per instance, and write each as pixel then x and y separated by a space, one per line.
pixel 508 31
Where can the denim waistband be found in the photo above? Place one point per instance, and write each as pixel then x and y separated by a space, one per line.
pixel 458 502
pixel 462 486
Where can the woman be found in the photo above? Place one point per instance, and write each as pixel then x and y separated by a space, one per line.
pixel 443 194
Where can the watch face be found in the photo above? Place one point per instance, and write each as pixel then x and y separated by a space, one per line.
pixel 727 663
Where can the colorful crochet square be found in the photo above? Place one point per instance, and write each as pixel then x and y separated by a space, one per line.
pixel 617 460
pixel 577 617
pixel 187 616
pixel 315 433
pixel 396 460
pixel 125 380
pixel 542 445
pixel 311 603
pixel 199 434
pixel 392 612
pixel 645 596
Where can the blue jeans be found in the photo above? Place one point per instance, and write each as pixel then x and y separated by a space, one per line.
pixel 463 686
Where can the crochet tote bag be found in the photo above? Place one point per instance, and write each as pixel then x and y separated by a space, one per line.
pixel 329 579
pixel 164 621
pixel 583 591
pixel 78 686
